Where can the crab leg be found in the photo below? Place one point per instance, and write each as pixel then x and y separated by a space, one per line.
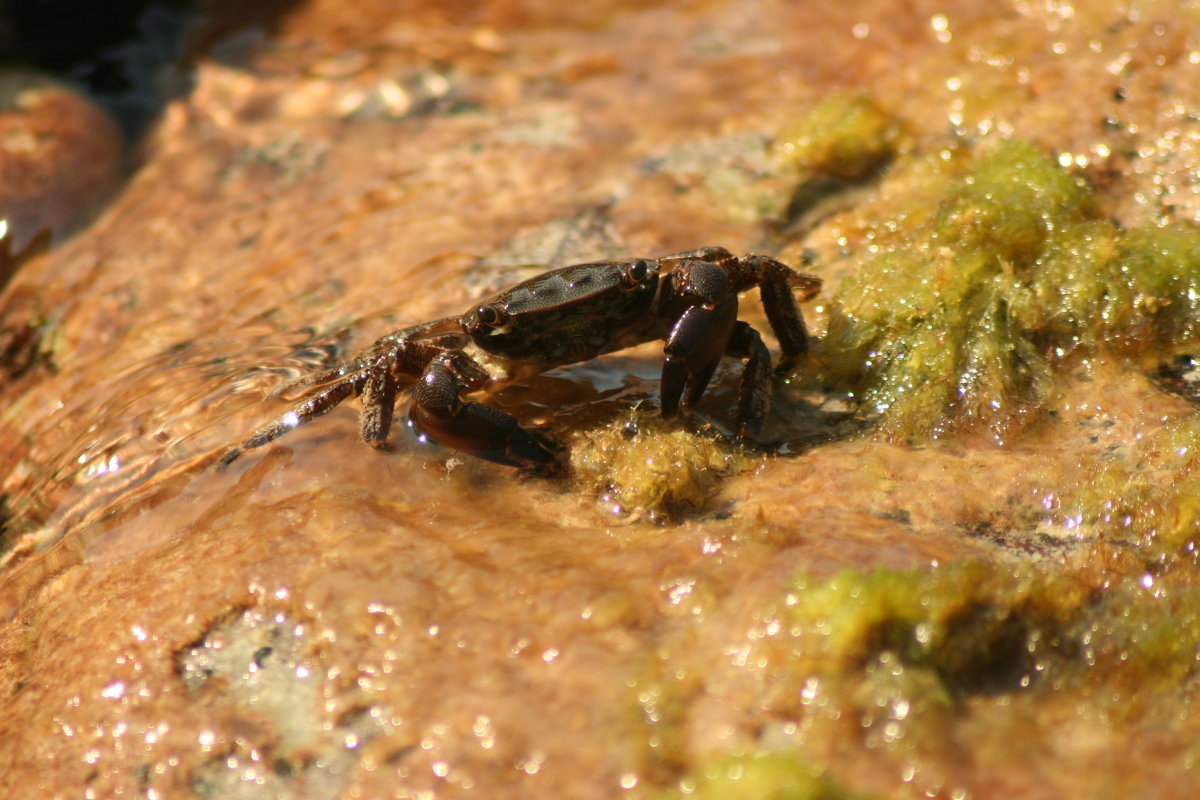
pixel 321 403
pixel 377 375
pixel 776 281
pixel 754 400
pixel 378 402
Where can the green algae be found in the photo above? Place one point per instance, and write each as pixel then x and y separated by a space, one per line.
pixel 1094 284
pixel 958 323
pixel 974 626
pixel 843 136
pixel 1010 201
pixel 1081 633
pixel 907 670
pixel 842 140
pixel 926 332
pixel 644 467
pixel 764 776
pixel 963 324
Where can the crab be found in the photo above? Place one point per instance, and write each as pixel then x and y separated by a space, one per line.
pixel 566 316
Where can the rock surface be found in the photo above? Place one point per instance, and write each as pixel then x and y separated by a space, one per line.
pixel 322 620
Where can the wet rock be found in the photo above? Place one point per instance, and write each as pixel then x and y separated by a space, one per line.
pixel 60 154
pixel 834 612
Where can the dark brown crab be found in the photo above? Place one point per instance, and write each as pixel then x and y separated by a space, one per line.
pixel 560 317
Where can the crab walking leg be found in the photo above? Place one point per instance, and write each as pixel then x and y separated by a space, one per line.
pixel 378 402
pixel 300 413
pixel 376 375
pixel 754 399
pixel 776 281
pixel 475 428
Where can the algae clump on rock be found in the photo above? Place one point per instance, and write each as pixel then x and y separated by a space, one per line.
pixel 919 666
pixel 957 322
pixel 642 466
pixel 843 136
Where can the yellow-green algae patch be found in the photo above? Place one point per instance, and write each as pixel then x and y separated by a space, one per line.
pixel 903 672
pixel 842 136
pixel 642 466
pixel 972 624
pixel 957 318
pixel 763 776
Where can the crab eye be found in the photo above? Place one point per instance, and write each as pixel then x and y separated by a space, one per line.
pixel 490 316
pixel 635 272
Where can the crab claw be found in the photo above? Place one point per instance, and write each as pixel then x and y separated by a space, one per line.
pixel 487 433
pixel 693 351
pixel 475 428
